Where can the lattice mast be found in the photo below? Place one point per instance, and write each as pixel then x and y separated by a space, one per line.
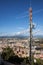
pixel 30 11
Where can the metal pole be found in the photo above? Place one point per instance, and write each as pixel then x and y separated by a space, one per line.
pixel 30 35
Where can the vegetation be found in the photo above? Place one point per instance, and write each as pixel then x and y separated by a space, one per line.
pixel 9 55
pixel 15 59
pixel 39 62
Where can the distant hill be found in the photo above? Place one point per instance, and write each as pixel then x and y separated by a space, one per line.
pixel 18 37
pixel 21 36
pixel 38 36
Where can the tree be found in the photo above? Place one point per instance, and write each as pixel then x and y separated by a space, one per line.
pixel 7 52
pixel 15 59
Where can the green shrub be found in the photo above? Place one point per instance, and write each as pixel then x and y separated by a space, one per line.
pixel 7 52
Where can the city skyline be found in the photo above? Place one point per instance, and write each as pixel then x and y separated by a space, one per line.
pixel 14 16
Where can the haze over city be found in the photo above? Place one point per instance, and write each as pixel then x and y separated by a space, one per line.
pixel 14 16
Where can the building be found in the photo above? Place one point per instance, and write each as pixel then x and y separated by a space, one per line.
pixel 19 46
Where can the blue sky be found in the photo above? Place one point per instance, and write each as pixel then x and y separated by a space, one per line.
pixel 14 16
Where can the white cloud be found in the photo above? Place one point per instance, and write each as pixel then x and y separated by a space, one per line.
pixel 37 31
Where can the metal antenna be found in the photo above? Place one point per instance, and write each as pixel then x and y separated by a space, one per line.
pixel 30 10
